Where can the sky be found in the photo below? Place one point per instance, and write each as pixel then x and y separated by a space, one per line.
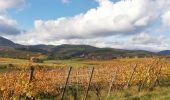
pixel 123 24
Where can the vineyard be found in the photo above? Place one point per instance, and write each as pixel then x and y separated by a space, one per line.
pixel 36 81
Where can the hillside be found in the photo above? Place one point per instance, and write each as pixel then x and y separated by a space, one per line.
pixel 90 52
pixel 165 52
pixel 6 42
pixel 66 51
pixel 10 49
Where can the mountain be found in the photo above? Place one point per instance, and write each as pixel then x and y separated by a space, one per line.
pixel 65 51
pixel 6 42
pixel 43 47
pixel 89 52
pixel 10 49
pixel 165 52
pixel 70 51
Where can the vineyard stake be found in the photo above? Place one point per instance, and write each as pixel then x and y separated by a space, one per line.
pixel 62 98
pixel 75 94
pixel 142 84
pixel 154 83
pixel 31 74
pixel 77 82
pixel 98 93
pixel 30 79
pixel 85 98
pixel 113 78
pixel 130 79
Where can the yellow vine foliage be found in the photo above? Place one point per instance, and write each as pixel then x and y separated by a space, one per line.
pixel 16 84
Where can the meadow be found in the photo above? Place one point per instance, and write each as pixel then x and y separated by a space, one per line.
pixel 77 79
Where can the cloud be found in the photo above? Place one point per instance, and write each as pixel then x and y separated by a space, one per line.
pixel 125 17
pixel 140 41
pixel 145 38
pixel 8 26
pixel 129 19
pixel 5 4
pixel 147 41
pixel 166 19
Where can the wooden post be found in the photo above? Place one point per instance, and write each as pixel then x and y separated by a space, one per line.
pixel 85 98
pixel 74 92
pixel 113 78
pixel 98 92
pixel 30 80
pixel 65 86
pixel 156 79
pixel 131 76
pixel 77 90
pixel 31 74
pixel 143 82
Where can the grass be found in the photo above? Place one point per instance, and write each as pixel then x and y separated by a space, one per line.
pixel 12 61
pixel 160 93
pixel 72 62
pixel 5 64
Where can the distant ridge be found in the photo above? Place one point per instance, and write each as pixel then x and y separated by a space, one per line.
pixel 66 51
pixel 165 52
pixel 6 42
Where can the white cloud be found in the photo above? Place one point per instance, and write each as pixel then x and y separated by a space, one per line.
pixel 145 38
pixel 128 19
pixel 140 41
pixel 124 17
pixel 147 41
pixel 7 25
pixel 8 21
pixel 166 19
pixel 5 4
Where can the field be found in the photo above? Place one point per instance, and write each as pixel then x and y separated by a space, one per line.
pixel 76 79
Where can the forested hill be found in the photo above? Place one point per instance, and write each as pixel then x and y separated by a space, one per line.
pixel 65 51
